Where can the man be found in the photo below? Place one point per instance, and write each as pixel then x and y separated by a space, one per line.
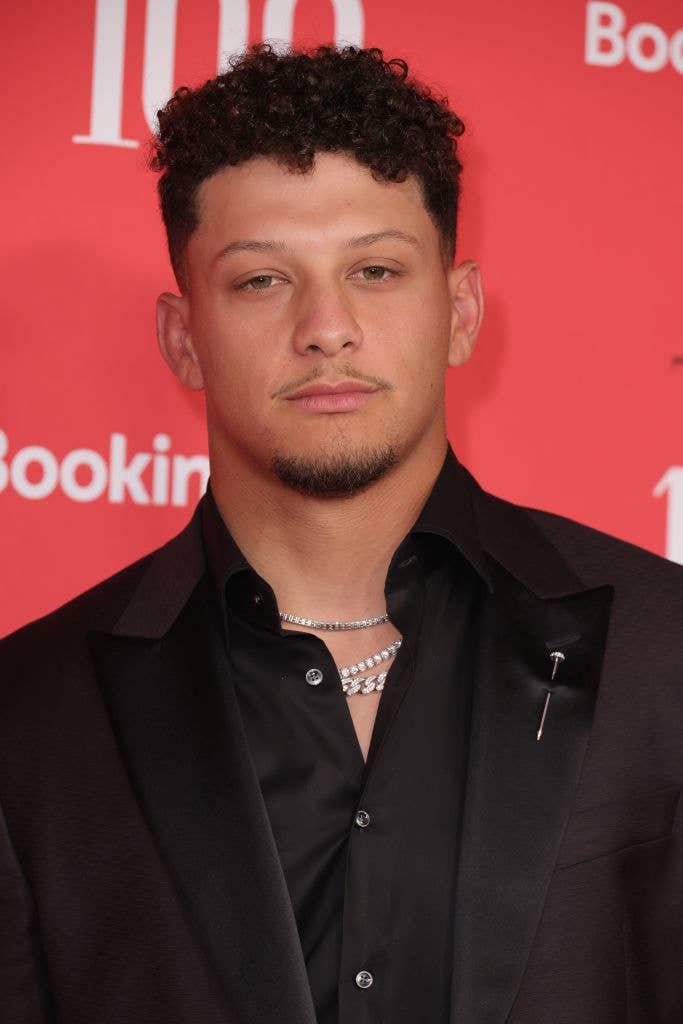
pixel 363 743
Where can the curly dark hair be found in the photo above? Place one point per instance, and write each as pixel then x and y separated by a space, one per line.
pixel 290 105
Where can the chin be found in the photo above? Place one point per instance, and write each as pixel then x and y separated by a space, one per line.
pixel 339 474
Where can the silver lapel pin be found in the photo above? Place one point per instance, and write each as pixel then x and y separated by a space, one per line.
pixel 557 657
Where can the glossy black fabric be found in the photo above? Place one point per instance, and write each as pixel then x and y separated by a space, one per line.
pixel 377 898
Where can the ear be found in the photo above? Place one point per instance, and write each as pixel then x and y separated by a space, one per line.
pixel 467 301
pixel 175 340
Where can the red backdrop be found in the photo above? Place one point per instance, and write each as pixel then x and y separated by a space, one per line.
pixel 572 204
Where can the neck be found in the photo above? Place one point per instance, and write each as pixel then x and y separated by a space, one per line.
pixel 324 558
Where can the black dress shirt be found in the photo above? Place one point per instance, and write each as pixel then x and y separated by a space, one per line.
pixel 368 849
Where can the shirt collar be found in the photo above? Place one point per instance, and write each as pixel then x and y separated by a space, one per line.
pixel 448 513
pixel 222 554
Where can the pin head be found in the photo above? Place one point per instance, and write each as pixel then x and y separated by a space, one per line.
pixel 557 657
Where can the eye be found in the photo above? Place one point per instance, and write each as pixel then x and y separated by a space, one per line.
pixel 374 277
pixel 258 281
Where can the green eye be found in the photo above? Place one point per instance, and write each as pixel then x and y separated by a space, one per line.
pixel 382 270
pixel 261 278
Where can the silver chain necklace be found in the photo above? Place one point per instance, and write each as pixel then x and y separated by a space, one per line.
pixel 377 620
pixel 352 682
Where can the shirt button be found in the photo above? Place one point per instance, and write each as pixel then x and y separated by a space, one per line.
pixel 364 979
pixel 314 676
pixel 362 819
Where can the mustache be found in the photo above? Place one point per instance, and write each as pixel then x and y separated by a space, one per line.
pixel 341 373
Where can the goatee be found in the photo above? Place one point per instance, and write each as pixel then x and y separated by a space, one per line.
pixel 334 476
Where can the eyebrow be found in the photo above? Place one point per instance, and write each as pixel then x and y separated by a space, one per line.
pixel 356 242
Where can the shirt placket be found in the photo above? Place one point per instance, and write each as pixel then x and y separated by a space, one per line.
pixel 367 931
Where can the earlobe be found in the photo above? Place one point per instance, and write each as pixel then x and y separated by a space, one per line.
pixel 175 340
pixel 467 299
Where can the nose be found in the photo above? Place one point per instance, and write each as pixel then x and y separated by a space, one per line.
pixel 325 322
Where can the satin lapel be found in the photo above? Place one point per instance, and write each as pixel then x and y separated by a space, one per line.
pixel 180 734
pixel 519 790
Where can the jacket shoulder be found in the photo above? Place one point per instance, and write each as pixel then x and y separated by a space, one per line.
pixel 97 608
pixel 600 557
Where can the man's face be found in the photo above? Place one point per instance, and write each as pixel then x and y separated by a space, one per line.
pixel 320 346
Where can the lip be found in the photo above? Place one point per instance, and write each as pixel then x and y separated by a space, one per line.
pixel 344 396
pixel 341 387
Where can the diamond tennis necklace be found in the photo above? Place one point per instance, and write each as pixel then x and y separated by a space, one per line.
pixel 377 620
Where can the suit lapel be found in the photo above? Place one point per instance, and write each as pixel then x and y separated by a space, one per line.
pixel 519 790
pixel 177 723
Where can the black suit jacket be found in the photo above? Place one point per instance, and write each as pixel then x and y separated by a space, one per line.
pixel 139 879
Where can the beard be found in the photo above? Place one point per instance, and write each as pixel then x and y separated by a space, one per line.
pixel 339 475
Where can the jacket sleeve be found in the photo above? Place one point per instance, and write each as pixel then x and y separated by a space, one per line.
pixel 24 990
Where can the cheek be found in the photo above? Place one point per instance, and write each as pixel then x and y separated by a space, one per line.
pixel 233 357
pixel 422 353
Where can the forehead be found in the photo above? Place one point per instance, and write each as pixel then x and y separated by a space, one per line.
pixel 339 193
